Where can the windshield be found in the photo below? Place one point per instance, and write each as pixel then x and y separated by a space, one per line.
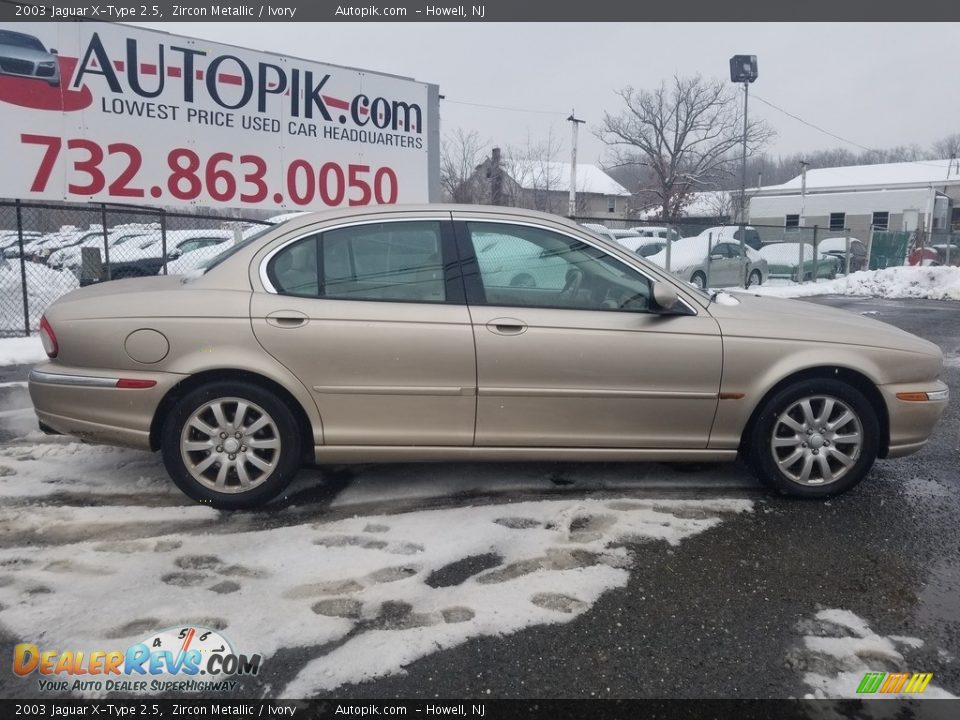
pixel 20 40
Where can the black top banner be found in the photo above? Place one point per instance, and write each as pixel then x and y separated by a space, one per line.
pixel 476 11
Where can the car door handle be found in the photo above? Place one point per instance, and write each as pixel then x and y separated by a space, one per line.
pixel 507 326
pixel 287 319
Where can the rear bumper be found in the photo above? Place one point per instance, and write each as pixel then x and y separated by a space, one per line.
pixel 912 421
pixel 87 404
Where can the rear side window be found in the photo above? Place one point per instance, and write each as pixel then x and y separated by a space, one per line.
pixel 400 261
pixel 294 271
pixel 396 261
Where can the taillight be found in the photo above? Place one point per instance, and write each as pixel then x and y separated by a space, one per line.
pixel 48 338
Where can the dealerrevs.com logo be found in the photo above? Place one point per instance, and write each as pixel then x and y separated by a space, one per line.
pixel 185 659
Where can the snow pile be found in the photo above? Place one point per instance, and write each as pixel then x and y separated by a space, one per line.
pixel 21 351
pixel 931 283
pixel 839 648
pixel 385 590
pixel 44 285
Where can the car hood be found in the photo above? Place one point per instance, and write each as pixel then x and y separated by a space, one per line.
pixel 805 322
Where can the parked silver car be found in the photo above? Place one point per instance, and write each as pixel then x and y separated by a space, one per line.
pixel 24 55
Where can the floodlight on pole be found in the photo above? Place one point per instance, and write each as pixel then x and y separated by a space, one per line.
pixel 572 205
pixel 743 69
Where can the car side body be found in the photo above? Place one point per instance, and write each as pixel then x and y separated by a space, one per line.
pixel 435 357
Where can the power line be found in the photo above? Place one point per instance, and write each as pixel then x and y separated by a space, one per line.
pixel 834 135
pixel 501 107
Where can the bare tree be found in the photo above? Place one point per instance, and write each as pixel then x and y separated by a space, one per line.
pixel 687 132
pixel 537 175
pixel 460 154
pixel 947 147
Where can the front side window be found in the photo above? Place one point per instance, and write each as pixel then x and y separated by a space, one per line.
pixel 532 267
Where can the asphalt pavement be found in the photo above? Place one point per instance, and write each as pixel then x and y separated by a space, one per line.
pixel 725 612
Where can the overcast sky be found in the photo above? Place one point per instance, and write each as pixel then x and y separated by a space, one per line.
pixel 879 84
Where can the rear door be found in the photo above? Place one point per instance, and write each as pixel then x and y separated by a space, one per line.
pixel 371 317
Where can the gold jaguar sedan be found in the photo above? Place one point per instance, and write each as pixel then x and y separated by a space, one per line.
pixel 442 333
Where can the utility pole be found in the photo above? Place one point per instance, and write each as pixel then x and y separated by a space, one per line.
pixel 802 220
pixel 572 206
pixel 743 69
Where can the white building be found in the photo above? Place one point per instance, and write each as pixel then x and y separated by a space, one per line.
pixel 893 196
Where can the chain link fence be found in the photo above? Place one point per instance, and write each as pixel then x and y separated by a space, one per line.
pixel 712 255
pixel 47 250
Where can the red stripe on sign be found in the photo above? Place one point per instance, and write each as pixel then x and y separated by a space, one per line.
pixel 334 102
pixel 230 79
pixel 148 69
pixel 199 74
pixel 118 64
pixel 174 72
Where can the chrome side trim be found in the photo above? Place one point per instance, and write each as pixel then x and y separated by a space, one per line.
pixel 48 378
pixel 587 393
pixel 393 390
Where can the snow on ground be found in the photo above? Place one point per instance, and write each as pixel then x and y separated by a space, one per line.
pixel 103 532
pixel 839 648
pixel 932 283
pixel 365 583
pixel 21 351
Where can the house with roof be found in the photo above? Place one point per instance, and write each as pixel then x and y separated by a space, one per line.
pixel 903 196
pixel 545 186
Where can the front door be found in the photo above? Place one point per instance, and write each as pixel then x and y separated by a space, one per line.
pixel 569 352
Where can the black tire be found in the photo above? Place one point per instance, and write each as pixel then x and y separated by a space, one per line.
pixel 699 279
pixel 754 278
pixel 762 454
pixel 284 460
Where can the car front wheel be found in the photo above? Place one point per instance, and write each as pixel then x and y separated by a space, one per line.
pixel 699 280
pixel 816 438
pixel 755 278
pixel 232 445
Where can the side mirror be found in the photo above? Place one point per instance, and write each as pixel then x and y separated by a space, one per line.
pixel 53 51
pixel 716 256
pixel 665 296
pixel 174 254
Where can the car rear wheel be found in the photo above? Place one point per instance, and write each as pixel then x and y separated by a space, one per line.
pixel 233 445
pixel 816 438
pixel 755 278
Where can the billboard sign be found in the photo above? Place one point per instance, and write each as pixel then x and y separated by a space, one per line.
pixel 110 113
